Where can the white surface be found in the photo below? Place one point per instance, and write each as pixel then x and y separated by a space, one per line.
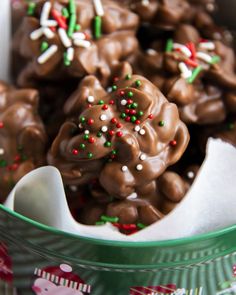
pixel 209 205
pixel 5 30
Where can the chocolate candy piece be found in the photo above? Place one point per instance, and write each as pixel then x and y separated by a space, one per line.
pixel 22 135
pixel 125 138
pixel 61 41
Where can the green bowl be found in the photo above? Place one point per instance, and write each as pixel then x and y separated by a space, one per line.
pixel 70 264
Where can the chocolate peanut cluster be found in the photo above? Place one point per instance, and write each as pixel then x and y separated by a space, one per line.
pixel 22 135
pixel 59 40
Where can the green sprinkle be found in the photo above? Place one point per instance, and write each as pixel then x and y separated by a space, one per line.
pixel 134 105
pixel 195 73
pixel 230 126
pixel 97 27
pixel 130 94
pixel 138 83
pixel 77 27
pixel 141 225
pixel 90 155
pixel 215 59
pixel 3 163
pixel 65 12
pixel 82 146
pixel 114 87
pixel 31 8
pixel 72 6
pixel 123 115
pixel 169 45
pixel 128 76
pixel 82 119
pixel 44 46
pixel 101 102
pixel 99 134
pixel 140 113
pixel 114 152
pixel 100 223
pixel 66 60
pixel 109 218
pixel 161 123
pixel 133 119
pixel 107 144
pixel 86 137
pixel 72 24
pixel 24 158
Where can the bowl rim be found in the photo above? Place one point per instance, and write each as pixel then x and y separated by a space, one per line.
pixel 114 243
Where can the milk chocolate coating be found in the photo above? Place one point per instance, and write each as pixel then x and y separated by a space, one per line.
pixel 22 135
pixel 204 101
pixel 116 43
pixel 100 141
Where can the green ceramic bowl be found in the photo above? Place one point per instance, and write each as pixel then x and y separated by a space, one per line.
pixel 48 261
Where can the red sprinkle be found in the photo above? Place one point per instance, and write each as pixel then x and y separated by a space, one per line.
pixel 53 29
pixel 115 79
pixel 17 158
pixel 137 122
pixel 129 226
pixel 127 111
pixel 89 105
pixel 118 125
pixel 14 166
pixel 129 101
pixel 1 125
pixel 75 152
pixel 191 63
pixel 87 36
pixel 91 139
pixel 90 121
pixel 114 120
pixel 113 156
pixel 59 18
pixel 127 119
pixel 150 116
pixel 173 143
pixel 192 48
pixel 119 133
pixel 105 107
pixel 111 132
pixel 122 93
pixel 111 102
pixel 118 225
pixel 133 112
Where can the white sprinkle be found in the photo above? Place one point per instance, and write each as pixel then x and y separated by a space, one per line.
pixel 90 98
pixel 79 35
pixel 137 128
pixel 47 54
pixel 73 188
pixel 124 168
pixel 70 53
pixel 104 128
pixel 143 157
pixel 103 117
pixel 142 132
pixel 64 38
pixel 207 45
pixel 82 43
pixel 151 51
pixel 210 7
pixel 81 125
pixel 86 132
pixel 123 102
pixel 183 49
pixel 98 7
pixel 132 196
pixel 185 72
pixel 35 35
pixel 48 33
pixel 139 167
pixel 1 151
pixel 109 89
pixel 204 56
pixel 145 2
pixel 45 12
pixel 190 174
pixel 50 23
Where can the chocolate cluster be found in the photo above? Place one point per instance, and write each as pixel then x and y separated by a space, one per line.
pixel 22 135
pixel 60 40
pixel 123 138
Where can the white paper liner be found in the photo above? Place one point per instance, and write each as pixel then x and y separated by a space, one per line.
pixel 210 203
